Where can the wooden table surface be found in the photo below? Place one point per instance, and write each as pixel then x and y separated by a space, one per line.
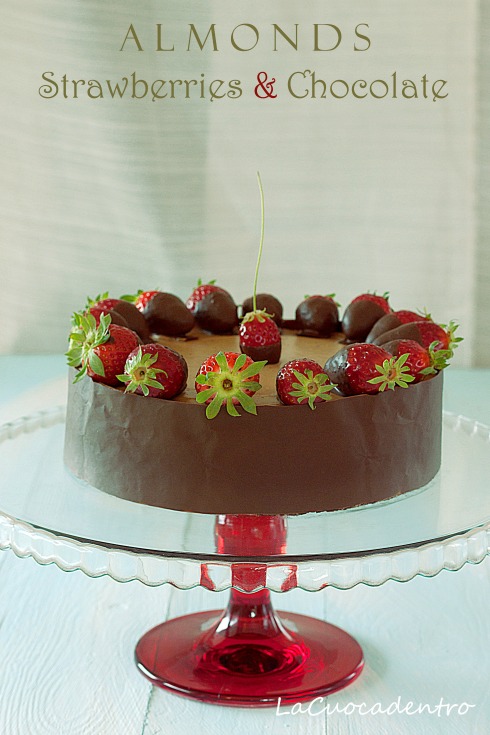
pixel 67 640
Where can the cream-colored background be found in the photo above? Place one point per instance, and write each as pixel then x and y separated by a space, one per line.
pixel 360 195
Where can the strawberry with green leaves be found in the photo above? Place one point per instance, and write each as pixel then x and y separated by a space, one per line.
pixel 303 381
pixel 228 379
pixel 422 363
pixel 364 368
pixel 100 350
pixel 155 371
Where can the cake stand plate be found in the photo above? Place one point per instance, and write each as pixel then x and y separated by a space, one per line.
pixel 246 655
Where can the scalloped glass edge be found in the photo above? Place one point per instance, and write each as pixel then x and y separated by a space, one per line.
pixel 125 566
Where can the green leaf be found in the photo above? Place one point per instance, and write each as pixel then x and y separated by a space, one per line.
pixel 96 364
pixel 202 379
pixel 212 410
pixel 246 402
pixel 240 362
pixel 222 362
pixel 204 395
pixel 253 369
pixel 230 407
pixel 249 385
pixel 153 384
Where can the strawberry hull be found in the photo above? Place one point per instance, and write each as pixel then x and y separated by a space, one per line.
pixel 360 449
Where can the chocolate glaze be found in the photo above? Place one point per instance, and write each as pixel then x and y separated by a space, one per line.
pixel 359 318
pixel 167 314
pixel 265 301
pixel 404 331
pixel 118 319
pixel 317 316
pixel 286 460
pixel 134 319
pixel 387 322
pixel 271 353
pixel 216 313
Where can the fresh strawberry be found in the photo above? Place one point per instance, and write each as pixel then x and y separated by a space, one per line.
pixel 365 368
pixel 362 314
pixel 418 359
pixel 228 378
pixel 201 290
pixel 317 316
pixel 100 350
pixel 303 381
pixel 260 337
pixel 381 301
pixel 156 371
pixel 421 362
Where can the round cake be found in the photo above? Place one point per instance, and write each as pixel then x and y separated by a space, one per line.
pixel 351 450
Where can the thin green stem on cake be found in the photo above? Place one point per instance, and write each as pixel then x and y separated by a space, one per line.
pixel 262 227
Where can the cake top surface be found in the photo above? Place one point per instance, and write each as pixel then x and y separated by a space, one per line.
pixel 198 345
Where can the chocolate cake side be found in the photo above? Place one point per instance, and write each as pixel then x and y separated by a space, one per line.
pixel 286 460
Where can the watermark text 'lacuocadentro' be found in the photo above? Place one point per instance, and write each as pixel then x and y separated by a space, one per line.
pixel 320 706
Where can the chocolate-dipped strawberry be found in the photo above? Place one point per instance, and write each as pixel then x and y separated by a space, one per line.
pixel 362 368
pixel 317 316
pixel 200 292
pixel 393 320
pixel 167 314
pixel 362 314
pixel 427 333
pixel 260 337
pixel 134 318
pixel 265 302
pixel 122 312
pixel 115 317
pixel 216 312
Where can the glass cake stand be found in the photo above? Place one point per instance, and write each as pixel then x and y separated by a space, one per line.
pixel 246 655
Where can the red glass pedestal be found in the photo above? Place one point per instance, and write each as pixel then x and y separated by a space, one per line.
pixel 247 655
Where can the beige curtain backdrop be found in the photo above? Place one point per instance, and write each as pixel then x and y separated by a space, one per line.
pixel 117 195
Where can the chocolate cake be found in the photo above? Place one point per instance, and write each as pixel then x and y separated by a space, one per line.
pixel 351 450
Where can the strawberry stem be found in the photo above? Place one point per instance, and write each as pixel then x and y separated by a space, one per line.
pixel 262 220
